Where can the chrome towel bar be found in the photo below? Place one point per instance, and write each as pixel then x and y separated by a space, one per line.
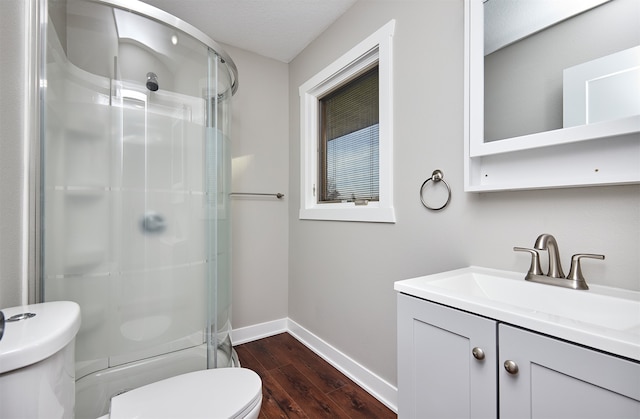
pixel 277 195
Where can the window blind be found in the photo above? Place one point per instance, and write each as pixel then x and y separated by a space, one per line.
pixel 349 146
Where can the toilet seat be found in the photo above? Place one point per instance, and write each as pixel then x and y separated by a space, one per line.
pixel 214 393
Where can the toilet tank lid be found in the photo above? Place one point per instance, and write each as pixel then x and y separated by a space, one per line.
pixel 35 338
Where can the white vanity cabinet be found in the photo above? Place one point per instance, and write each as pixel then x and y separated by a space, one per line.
pixel 440 375
pixel 558 379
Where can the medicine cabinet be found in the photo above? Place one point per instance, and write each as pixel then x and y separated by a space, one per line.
pixel 600 150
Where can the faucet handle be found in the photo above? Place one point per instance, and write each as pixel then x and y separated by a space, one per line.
pixel 575 273
pixel 535 268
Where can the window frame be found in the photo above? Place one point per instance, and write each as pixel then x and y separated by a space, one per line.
pixel 377 48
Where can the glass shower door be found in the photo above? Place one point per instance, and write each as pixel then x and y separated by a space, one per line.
pixel 135 195
pixel 159 294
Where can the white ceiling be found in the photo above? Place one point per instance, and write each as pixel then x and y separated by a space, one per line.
pixel 278 29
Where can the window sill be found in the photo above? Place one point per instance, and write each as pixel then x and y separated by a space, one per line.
pixel 371 213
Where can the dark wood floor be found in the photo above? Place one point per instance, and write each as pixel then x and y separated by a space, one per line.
pixel 296 383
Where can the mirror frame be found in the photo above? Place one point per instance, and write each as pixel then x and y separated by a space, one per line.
pixel 604 153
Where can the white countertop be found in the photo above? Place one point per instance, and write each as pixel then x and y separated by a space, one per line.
pixel 602 318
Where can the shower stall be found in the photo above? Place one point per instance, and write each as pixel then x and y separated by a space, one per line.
pixel 134 192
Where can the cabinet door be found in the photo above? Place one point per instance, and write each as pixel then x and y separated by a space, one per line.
pixel 557 379
pixel 438 376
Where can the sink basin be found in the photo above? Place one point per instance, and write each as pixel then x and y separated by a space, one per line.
pixel 604 318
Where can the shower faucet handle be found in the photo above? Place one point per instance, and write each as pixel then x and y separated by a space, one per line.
pixel 152 222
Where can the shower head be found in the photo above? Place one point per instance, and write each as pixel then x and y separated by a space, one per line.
pixel 152 81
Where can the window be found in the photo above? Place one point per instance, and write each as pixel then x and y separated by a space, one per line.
pixel 346 136
pixel 348 152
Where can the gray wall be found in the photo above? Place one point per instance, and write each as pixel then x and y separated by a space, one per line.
pixel 259 144
pixel 341 274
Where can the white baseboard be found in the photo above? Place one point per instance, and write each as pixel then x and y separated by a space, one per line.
pixel 379 388
pixel 258 331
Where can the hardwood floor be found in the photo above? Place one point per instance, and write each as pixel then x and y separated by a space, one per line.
pixel 296 383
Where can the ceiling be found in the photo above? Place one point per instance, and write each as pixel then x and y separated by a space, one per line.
pixel 277 29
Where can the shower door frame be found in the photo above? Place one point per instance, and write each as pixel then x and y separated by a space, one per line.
pixel 35 82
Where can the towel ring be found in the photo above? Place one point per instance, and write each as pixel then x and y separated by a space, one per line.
pixel 436 176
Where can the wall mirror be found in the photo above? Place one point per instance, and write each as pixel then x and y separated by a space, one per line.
pixel 552 93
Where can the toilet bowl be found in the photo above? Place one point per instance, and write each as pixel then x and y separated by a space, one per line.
pixel 38 380
pixel 216 393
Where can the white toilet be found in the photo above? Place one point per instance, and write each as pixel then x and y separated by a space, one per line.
pixel 37 377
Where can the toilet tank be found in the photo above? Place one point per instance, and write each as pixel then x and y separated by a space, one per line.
pixel 37 349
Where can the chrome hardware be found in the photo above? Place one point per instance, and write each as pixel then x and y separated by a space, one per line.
pixel 549 243
pixel 511 367
pixel 152 81
pixel 575 280
pixel 535 268
pixel 153 222
pixel 21 316
pixel 478 353
pixel 575 273
pixel 277 195
pixel 1 324
pixel 436 177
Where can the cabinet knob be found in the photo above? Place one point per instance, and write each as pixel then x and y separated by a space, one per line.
pixel 511 367
pixel 478 353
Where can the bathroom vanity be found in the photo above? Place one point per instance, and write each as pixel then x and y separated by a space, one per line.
pixel 482 343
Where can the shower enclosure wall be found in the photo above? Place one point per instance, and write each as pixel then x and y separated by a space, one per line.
pixel 135 160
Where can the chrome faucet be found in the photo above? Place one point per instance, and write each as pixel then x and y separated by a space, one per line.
pixel 555 275
pixel 548 242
